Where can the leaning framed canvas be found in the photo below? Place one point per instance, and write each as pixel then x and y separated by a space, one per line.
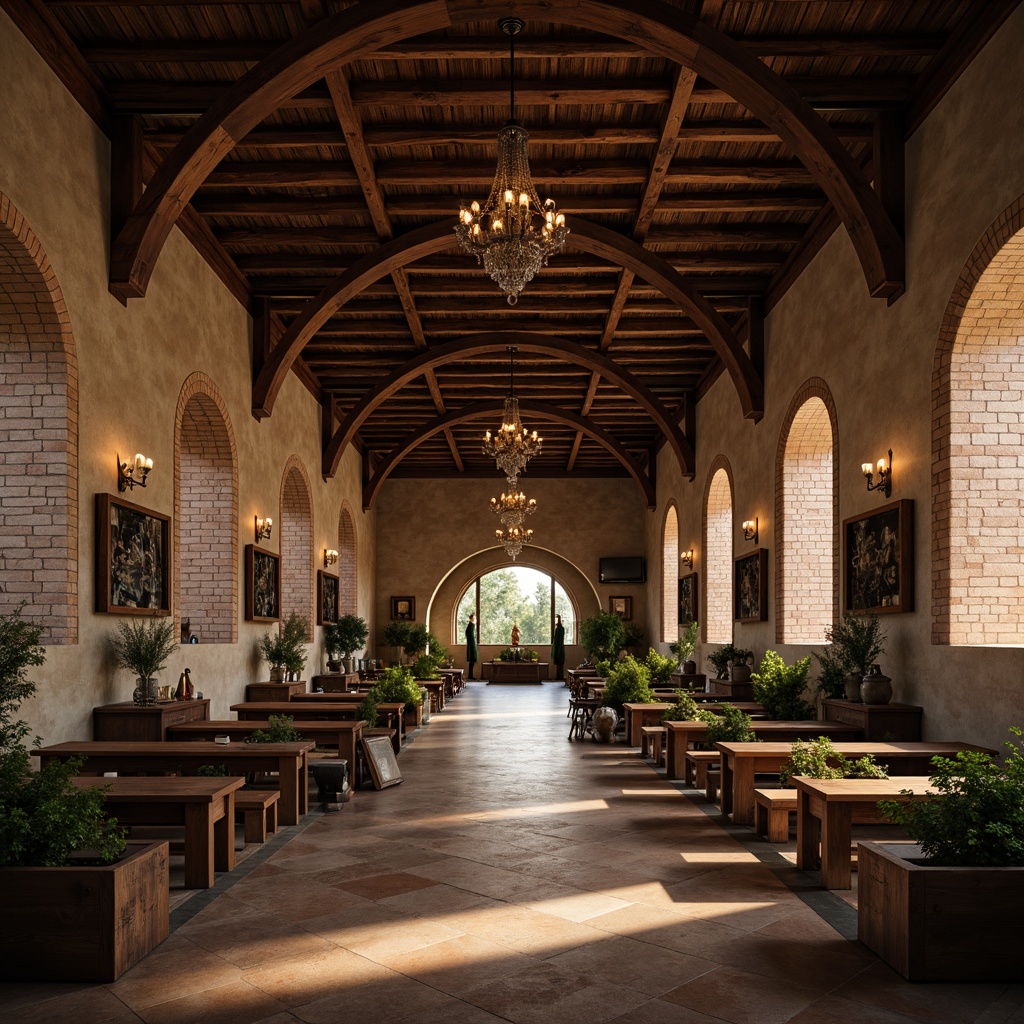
pixel 750 586
pixel 878 560
pixel 621 606
pixel 133 558
pixel 326 598
pixel 688 599
pixel 381 760
pixel 262 584
pixel 403 608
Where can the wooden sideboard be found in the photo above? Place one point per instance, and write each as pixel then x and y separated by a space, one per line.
pixel 336 682
pixel 128 721
pixel 515 671
pixel 274 691
pixel 900 723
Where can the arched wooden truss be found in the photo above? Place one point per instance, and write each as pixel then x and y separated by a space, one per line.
pixel 485 410
pixel 483 344
pixel 432 238
pixel 365 27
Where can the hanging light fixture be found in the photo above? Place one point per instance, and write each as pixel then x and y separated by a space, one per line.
pixel 513 539
pixel 513 508
pixel 513 445
pixel 513 234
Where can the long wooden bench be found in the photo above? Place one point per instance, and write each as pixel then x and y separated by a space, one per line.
pixel 697 764
pixel 259 812
pixel 772 808
pixel 652 741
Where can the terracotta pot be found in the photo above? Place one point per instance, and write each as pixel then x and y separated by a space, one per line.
pixel 277 674
pixel 852 684
pixel 876 688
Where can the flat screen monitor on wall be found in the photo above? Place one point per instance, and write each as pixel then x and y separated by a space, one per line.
pixel 623 570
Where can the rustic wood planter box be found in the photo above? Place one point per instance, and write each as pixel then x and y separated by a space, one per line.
pixel 937 923
pixel 83 923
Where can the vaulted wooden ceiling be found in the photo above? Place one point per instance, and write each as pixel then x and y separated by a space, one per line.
pixel 316 153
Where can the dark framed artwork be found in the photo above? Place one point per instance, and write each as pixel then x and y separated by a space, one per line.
pixel 750 587
pixel 878 560
pixel 621 606
pixel 326 598
pixel 688 599
pixel 403 608
pixel 133 558
pixel 381 760
pixel 262 584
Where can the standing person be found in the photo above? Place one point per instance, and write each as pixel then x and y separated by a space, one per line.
pixel 558 648
pixel 472 654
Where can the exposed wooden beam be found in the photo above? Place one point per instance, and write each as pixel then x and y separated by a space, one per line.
pixel 127 169
pixel 889 174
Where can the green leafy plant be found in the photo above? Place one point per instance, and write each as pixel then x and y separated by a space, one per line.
pixel 659 668
pixel 212 771
pixel 858 640
pixel 820 760
pixel 721 659
pixel 368 710
pixel 280 729
pixel 44 818
pixel 978 818
pixel 424 667
pixel 832 677
pixel 730 725
pixel 397 684
pixel 633 636
pixel 395 633
pixel 603 669
pixel 629 682
pixel 779 687
pixel 684 647
pixel 518 654
pixel 144 646
pixel 686 709
pixel 603 635
pixel 346 636
pixel 286 648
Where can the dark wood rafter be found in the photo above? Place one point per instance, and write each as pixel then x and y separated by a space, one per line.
pixel 358 32
pixel 485 410
pixel 497 342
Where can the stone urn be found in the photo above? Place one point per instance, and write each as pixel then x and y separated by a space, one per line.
pixel 603 724
pixel 876 688
pixel 277 674
pixel 739 672
pixel 852 686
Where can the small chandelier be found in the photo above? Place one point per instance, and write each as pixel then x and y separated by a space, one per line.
pixel 513 508
pixel 513 445
pixel 513 539
pixel 513 234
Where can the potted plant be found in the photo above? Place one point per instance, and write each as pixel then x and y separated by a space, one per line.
pixel 628 682
pixel 144 647
pixel 343 638
pixel 79 904
pixel 946 907
pixel 659 668
pixel 731 662
pixel 684 647
pixel 280 729
pixel 779 688
pixel 820 760
pixel 603 635
pixel 857 640
pixel 398 684
pixel 395 634
pixel 633 637
pixel 285 650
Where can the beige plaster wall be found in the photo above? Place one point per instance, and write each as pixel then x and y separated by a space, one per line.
pixel 54 165
pixel 965 165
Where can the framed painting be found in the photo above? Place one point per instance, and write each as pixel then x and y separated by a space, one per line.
pixel 621 606
pixel 262 584
pixel 133 558
pixel 381 760
pixel 688 599
pixel 750 587
pixel 326 598
pixel 878 560
pixel 403 608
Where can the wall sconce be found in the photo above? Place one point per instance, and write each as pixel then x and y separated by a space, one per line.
pixel 264 527
pixel 133 473
pixel 330 557
pixel 750 528
pixel 687 558
pixel 884 475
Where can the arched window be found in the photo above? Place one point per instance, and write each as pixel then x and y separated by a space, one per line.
pixel 296 542
pixel 206 513
pixel 670 576
pixel 518 594
pixel 718 556
pixel 348 592
pixel 806 512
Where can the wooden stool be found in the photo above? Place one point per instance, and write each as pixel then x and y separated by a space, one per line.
pixel 696 765
pixel 652 741
pixel 712 783
pixel 771 813
pixel 582 712
pixel 259 812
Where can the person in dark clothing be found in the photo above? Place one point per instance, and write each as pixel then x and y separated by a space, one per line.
pixel 472 654
pixel 558 648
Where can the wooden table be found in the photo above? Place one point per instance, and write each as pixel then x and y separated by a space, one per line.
pixel 289 760
pixel 205 806
pixel 879 721
pixel 337 682
pixel 741 761
pixel 515 671
pixel 828 808
pixel 435 692
pixel 323 707
pixel 274 691
pixel 129 721
pixel 639 715
pixel 453 680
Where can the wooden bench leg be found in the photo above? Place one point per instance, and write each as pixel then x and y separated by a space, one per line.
pixel 256 824
pixel 760 819
pixel 656 747
pixel 778 825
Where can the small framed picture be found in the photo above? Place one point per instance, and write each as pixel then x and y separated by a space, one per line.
pixel 688 599
pixel 381 760
pixel 878 560
pixel 403 608
pixel 133 558
pixel 326 598
pixel 621 606
pixel 750 587
pixel 262 585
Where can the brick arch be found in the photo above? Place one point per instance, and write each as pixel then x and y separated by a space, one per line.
pixel 807 514
pixel 977 379
pixel 297 556
pixel 348 551
pixel 205 512
pixel 38 509
pixel 716 556
pixel 670 573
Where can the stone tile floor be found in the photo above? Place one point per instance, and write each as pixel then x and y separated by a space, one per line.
pixel 514 876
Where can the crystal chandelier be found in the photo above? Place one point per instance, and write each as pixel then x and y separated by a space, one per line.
pixel 513 539
pixel 513 445
pixel 513 234
pixel 513 508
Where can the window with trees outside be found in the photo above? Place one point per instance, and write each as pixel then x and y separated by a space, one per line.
pixel 527 597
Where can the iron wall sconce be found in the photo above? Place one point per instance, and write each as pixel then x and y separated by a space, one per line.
pixel 750 529
pixel 687 558
pixel 264 527
pixel 330 557
pixel 133 473
pixel 884 468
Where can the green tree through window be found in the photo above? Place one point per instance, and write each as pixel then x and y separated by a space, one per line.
pixel 520 595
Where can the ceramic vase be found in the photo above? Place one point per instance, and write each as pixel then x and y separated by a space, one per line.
pixel 145 691
pixel 852 687
pixel 876 688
